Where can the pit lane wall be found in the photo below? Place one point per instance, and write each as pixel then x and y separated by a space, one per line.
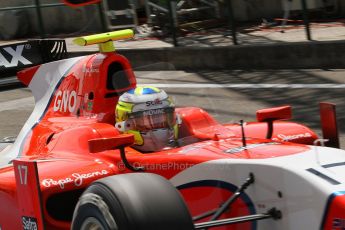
pixel 297 55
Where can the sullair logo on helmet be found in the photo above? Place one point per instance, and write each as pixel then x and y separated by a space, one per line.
pixel 155 102
pixel 16 57
pixel 153 112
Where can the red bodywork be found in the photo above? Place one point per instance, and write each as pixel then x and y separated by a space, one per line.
pixel 63 146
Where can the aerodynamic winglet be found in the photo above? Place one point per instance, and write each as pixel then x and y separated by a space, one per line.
pixel 329 124
pixel 28 194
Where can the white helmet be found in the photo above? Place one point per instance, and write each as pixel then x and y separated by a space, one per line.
pixel 149 114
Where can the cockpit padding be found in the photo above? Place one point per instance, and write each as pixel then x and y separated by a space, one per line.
pixel 117 78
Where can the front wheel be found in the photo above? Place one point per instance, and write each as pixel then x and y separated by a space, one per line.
pixel 131 202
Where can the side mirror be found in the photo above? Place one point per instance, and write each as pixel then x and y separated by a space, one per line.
pixel 276 113
pixel 103 144
pixel 271 114
pixel 75 3
pixel 118 142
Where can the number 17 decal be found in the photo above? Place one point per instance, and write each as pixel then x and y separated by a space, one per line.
pixel 23 174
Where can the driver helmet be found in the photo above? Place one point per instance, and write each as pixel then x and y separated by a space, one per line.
pixel 149 114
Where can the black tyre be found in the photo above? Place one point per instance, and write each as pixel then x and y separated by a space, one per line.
pixel 131 202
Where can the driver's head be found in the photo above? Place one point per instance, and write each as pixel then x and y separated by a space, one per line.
pixel 149 114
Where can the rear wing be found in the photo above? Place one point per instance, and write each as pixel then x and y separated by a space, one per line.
pixel 15 57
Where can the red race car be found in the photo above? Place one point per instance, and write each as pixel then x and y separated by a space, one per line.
pixel 70 167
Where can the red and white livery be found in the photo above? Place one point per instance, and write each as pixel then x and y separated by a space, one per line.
pixel 258 175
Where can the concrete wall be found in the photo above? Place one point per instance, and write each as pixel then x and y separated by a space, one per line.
pixel 57 20
pixel 305 55
pixel 246 10
pixel 250 10
pixel 341 7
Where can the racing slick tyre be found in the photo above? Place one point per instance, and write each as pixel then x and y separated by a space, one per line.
pixel 132 201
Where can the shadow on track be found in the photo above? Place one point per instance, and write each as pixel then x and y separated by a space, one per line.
pixel 305 102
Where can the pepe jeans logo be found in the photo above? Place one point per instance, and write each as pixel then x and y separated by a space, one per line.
pixel 76 178
pixel 17 56
pixel 292 137
pixel 29 223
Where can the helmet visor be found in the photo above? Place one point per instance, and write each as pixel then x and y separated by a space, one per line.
pixel 152 119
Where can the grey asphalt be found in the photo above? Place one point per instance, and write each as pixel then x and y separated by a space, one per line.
pixel 225 104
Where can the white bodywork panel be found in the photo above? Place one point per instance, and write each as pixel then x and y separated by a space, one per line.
pixel 42 86
pixel 304 194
